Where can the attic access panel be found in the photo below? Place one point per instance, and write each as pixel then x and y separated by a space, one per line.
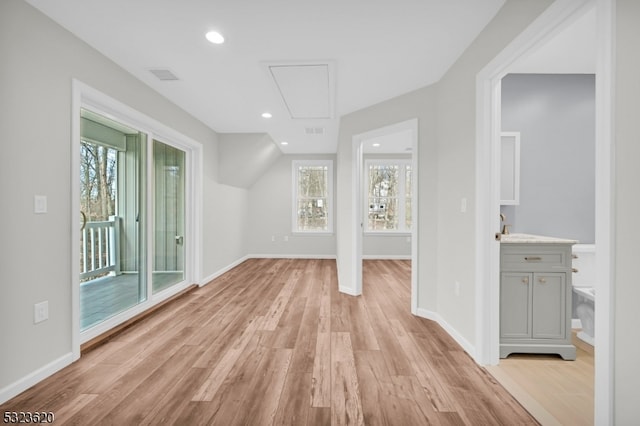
pixel 305 89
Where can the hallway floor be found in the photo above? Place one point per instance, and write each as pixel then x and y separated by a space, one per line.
pixel 272 341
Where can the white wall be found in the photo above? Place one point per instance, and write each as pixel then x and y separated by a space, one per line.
pixel 446 168
pixel 224 220
pixel 456 164
pixel 39 60
pixel 419 104
pixel 270 215
pixel 626 292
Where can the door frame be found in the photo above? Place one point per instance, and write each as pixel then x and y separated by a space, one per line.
pixel 551 21
pixel 85 96
pixel 357 203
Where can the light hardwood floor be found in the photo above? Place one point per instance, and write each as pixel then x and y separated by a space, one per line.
pixel 555 391
pixel 274 342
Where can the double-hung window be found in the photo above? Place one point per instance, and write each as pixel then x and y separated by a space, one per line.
pixel 313 196
pixel 388 195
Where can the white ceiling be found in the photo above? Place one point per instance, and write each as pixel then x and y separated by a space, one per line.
pixel 572 50
pixel 373 50
pixel 392 143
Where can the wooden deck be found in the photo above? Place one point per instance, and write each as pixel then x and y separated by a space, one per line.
pixel 105 297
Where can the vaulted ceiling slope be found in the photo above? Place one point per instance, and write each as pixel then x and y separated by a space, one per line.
pixel 255 151
pixel 362 51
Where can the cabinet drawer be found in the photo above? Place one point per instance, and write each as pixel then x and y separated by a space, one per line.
pixel 535 260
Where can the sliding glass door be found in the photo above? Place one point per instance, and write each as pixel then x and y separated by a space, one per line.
pixel 133 218
pixel 112 210
pixel 169 216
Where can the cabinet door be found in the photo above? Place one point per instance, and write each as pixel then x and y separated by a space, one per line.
pixel 515 305
pixel 549 305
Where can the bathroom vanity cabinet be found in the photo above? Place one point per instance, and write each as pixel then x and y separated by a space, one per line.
pixel 535 296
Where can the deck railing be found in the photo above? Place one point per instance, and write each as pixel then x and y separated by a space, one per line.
pixel 100 248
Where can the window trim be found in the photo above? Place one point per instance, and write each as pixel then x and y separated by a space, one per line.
pixel 402 229
pixel 294 196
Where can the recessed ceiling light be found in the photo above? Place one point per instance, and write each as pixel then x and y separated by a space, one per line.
pixel 266 115
pixel 284 143
pixel 376 145
pixel 215 37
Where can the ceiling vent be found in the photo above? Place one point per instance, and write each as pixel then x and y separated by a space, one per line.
pixel 164 74
pixel 307 89
pixel 314 130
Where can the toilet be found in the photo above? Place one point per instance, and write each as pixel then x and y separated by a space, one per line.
pixel 584 265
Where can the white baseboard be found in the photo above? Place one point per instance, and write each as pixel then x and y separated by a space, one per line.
pixel 468 347
pixel 386 257
pixel 31 379
pixel 292 256
pixel 229 267
pixel 347 290
pixel 219 272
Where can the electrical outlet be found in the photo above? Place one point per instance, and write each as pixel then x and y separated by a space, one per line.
pixel 457 288
pixel 463 205
pixel 40 312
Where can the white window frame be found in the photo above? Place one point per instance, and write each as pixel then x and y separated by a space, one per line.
pixel 295 164
pixel 402 163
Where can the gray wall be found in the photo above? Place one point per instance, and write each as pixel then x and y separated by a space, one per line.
pixel 256 152
pixel 626 292
pixel 270 211
pixel 225 214
pixel 555 115
pixel 39 60
pixel 392 246
pixel 446 169
pixel 418 104
pixel 456 147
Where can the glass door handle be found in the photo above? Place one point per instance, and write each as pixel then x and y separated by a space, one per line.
pixel 84 220
pixel 179 239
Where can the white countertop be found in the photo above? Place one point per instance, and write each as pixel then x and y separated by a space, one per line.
pixel 532 239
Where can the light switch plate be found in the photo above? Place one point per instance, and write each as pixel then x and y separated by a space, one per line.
pixel 41 311
pixel 463 205
pixel 39 204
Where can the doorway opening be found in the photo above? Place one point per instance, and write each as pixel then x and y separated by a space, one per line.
pixel 386 199
pixel 550 23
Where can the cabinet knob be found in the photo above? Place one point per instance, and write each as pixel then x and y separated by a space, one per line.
pixel 525 280
pixel 542 280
